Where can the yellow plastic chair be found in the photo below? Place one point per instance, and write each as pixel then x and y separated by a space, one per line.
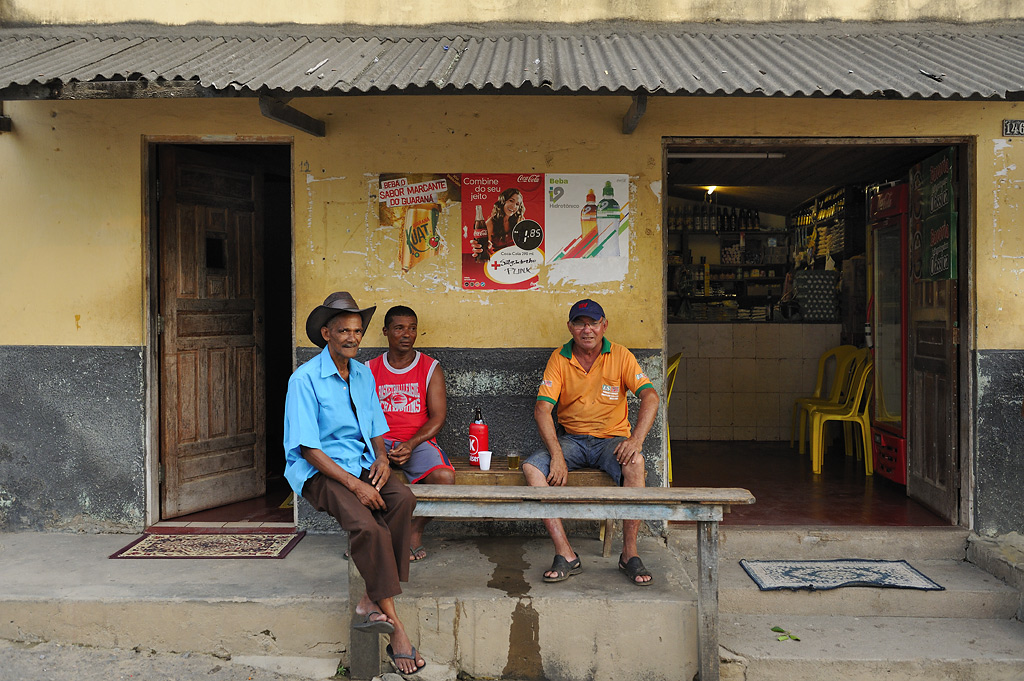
pixel 854 411
pixel 670 380
pixel 843 356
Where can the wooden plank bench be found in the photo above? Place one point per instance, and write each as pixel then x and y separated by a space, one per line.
pixel 703 505
pixel 499 474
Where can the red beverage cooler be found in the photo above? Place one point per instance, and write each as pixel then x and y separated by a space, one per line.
pixel 888 227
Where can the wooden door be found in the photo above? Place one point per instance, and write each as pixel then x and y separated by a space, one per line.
pixel 933 406
pixel 932 401
pixel 212 430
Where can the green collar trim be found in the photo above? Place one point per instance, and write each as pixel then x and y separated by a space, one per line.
pixel 566 351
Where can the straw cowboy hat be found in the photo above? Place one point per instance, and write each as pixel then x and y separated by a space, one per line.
pixel 336 303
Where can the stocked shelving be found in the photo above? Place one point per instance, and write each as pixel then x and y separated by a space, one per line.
pixel 742 263
pixel 830 225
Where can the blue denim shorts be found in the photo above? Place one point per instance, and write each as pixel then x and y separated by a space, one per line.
pixel 582 451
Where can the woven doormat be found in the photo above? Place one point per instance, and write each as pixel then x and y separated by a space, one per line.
pixel 249 545
pixel 821 575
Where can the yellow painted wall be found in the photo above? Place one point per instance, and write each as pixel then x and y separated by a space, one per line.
pixel 413 12
pixel 72 262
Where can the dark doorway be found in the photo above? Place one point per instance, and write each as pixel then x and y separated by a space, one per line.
pixel 222 272
pixel 744 217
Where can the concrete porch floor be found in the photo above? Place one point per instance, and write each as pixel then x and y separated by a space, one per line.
pixel 478 605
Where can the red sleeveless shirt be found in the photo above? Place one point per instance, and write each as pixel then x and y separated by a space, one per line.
pixel 403 393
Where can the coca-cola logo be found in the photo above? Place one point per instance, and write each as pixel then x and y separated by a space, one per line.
pixel 529 178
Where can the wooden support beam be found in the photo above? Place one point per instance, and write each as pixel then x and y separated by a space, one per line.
pixel 635 113
pixel 278 110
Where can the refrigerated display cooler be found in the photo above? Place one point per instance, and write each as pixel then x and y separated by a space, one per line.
pixel 888 226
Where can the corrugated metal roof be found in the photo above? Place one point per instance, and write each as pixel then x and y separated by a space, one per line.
pixel 836 60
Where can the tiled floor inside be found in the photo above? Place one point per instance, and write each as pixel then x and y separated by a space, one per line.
pixel 788 493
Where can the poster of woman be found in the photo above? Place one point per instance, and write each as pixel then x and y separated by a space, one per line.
pixel 502 230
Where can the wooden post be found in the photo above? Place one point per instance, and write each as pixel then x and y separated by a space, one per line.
pixel 707 600
pixel 363 649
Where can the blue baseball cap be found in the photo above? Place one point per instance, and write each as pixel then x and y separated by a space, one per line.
pixel 586 308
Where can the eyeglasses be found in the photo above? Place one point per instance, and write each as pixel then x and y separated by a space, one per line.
pixel 579 326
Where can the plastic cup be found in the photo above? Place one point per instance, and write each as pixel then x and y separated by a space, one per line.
pixel 485 459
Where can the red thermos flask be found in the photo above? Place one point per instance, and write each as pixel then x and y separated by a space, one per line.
pixel 477 438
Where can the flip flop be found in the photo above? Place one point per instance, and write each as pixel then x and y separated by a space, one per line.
pixel 563 568
pixel 392 654
pixel 413 552
pixel 634 567
pixel 371 626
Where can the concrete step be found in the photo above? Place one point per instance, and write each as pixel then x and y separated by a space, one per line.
pixel 63 588
pixel 819 543
pixel 871 648
pixel 478 605
pixel 482 601
pixel 969 593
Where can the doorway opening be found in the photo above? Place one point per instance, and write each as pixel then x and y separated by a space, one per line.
pixel 221 280
pixel 769 263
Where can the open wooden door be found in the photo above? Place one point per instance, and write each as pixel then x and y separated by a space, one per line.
pixel 933 437
pixel 212 404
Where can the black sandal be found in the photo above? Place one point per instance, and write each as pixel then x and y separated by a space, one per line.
pixel 564 569
pixel 634 567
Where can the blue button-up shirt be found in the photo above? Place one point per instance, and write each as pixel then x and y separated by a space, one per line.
pixel 318 413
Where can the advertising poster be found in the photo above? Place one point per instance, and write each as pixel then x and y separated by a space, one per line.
pixel 412 203
pixel 503 230
pixel 936 240
pixel 587 217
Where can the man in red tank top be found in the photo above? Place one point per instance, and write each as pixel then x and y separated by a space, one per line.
pixel 410 386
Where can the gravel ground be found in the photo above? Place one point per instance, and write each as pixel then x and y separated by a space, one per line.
pixel 55 662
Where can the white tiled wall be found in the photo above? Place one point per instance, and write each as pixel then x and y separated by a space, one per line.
pixel 738 381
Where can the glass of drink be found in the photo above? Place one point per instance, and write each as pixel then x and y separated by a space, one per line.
pixel 513 460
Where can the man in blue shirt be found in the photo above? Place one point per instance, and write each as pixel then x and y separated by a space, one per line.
pixel 335 458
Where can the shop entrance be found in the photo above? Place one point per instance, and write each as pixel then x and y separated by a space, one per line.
pixel 221 284
pixel 769 263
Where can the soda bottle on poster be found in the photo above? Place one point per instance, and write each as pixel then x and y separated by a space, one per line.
pixel 609 215
pixel 480 235
pixel 588 215
pixel 477 438
pixel 419 236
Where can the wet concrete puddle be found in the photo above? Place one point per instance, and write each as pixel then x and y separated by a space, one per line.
pixel 509 575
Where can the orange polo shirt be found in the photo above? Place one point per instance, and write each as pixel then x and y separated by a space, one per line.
pixel 593 402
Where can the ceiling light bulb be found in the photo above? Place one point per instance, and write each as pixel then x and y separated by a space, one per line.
pixel 711 189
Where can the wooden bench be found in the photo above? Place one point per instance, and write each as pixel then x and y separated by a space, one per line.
pixel 499 474
pixel 703 505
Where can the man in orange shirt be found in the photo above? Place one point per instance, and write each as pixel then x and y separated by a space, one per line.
pixel 587 379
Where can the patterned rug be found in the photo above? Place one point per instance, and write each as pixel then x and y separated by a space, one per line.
pixel 249 545
pixel 820 575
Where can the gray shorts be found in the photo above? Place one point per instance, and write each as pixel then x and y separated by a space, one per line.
pixel 582 451
pixel 425 459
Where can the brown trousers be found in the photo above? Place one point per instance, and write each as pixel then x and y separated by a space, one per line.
pixel 378 540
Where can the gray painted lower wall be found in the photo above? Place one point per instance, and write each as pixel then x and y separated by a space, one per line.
pixel 72 438
pixel 503 384
pixel 999 456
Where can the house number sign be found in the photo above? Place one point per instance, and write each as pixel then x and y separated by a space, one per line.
pixel 1013 128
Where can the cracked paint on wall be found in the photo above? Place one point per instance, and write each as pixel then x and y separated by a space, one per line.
pixel 1000 285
